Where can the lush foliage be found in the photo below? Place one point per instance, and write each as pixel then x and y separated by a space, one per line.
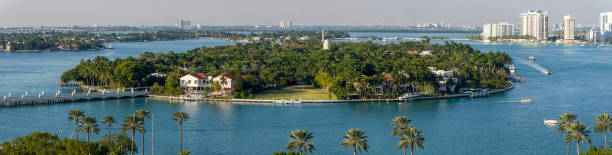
pixel 348 68
pixel 46 143
pixel 593 150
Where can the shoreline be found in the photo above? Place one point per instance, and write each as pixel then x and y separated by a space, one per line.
pixel 262 101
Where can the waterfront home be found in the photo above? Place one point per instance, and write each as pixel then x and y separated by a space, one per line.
pixel 194 83
pixel 226 81
pixel 423 53
pixel 64 48
pixel 447 82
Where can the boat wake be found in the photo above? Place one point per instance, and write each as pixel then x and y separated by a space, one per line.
pixel 535 66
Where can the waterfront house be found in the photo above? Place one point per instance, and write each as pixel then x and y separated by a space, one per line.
pixel 226 81
pixel 194 83
pixel 447 82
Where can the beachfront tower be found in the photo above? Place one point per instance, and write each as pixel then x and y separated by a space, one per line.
pixel 326 44
pixel 568 27
pixel 535 24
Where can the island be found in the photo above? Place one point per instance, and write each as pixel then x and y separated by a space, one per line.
pixel 342 70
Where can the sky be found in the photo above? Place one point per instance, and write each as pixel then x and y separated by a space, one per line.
pixel 300 12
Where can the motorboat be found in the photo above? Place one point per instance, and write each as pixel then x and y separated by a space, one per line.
pixel 527 100
pixel 550 121
pixel 532 58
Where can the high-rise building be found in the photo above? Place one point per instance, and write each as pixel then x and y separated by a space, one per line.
pixel 605 21
pixel 497 30
pixel 285 24
pixel 569 27
pixel 326 44
pixel 535 24
pixel 594 35
pixel 198 26
pixel 181 23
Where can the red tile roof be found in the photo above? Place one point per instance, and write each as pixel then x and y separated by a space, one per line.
pixel 199 75
pixel 228 76
pixel 228 88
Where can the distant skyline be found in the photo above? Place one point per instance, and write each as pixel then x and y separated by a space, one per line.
pixel 300 12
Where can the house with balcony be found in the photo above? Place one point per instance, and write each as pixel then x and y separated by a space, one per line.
pixel 194 83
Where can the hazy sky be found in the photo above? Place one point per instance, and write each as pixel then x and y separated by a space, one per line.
pixel 301 12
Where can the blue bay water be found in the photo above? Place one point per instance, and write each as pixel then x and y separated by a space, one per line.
pixel 579 83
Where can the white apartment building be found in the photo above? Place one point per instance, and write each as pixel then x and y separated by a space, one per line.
pixel 569 29
pixel 605 25
pixel 535 24
pixel 497 30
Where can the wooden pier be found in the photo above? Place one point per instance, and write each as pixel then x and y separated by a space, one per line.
pixel 25 100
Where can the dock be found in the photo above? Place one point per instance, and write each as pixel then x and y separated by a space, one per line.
pixel 27 100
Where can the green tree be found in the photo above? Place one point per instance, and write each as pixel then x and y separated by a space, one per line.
pixel 603 123
pixel 180 117
pixel 401 124
pixel 410 139
pixel 579 133
pixel 143 114
pixel 564 121
pixel 300 140
pixel 75 115
pixel 156 89
pixel 109 121
pixel 356 139
pixel 172 86
pixel 89 125
pixel 132 124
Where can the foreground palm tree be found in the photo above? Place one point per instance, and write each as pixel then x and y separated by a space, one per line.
pixel 410 139
pixel 89 125
pixel 579 133
pixel 180 117
pixel 75 115
pixel 564 121
pixel 143 114
pixel 131 123
pixel 300 140
pixel 356 139
pixel 603 123
pixel 401 124
pixel 109 121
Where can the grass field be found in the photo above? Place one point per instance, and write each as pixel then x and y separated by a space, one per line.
pixel 304 92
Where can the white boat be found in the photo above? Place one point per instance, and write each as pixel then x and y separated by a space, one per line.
pixel 532 58
pixel 527 100
pixel 550 121
pixel 408 96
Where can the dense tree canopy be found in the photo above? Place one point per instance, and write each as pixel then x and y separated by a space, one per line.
pixel 347 68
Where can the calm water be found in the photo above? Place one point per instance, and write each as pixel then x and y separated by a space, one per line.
pixel 580 83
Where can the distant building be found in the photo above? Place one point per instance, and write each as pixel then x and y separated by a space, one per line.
pixel 198 26
pixel 326 44
pixel 285 24
pixel 1 48
pixel 226 81
pixel 605 21
pixel 594 35
pixel 569 29
pixel 447 82
pixel 95 26
pixel 605 26
pixel 182 24
pixel 497 30
pixel 535 24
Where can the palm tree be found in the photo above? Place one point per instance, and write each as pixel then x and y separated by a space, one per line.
pixel 180 117
pixel 410 139
pixel 401 124
pixel 143 114
pixel 564 121
pixel 109 121
pixel 356 139
pixel 300 140
pixel 75 115
pixel 603 123
pixel 131 123
pixel 578 132
pixel 89 125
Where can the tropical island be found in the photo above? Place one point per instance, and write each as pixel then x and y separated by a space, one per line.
pixel 82 40
pixel 343 70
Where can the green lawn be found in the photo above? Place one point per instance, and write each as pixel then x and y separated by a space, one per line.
pixel 304 92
